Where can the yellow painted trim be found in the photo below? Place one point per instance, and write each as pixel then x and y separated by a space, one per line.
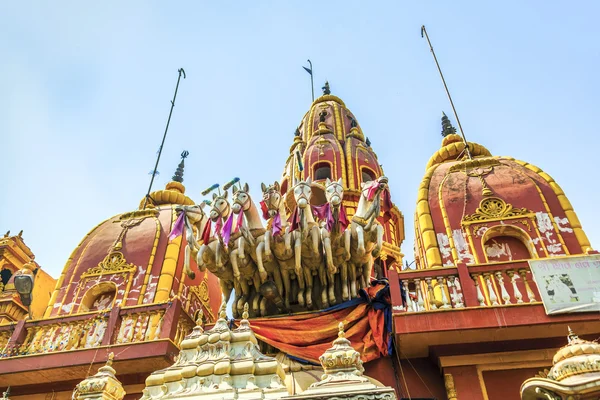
pixel 167 273
pixel 482 384
pixel 150 261
pixel 338 121
pixel 426 234
pixel 351 181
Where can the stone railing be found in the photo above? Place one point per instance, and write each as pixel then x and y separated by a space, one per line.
pixel 93 329
pixel 483 285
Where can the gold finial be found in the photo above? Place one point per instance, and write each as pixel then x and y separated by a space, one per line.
pixel 199 317
pixel 111 357
pixel 222 310
pixel 341 333
pixel 571 336
pixel 245 313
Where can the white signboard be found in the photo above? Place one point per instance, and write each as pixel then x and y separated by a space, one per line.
pixel 568 284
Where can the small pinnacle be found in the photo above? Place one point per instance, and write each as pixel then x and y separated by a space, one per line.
pixel 326 89
pixel 199 316
pixel 341 333
pixel 111 357
pixel 7 234
pixel 368 142
pixel 297 133
pixel 572 336
pixel 222 312
pixel 245 314
pixel 178 177
pixel 447 128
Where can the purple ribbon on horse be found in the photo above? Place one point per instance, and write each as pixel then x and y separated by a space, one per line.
pixel 178 226
pixel 325 213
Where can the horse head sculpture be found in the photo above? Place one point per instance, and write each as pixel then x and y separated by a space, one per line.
pixel 334 192
pixel 303 193
pixel 194 216
pixel 220 207
pixel 241 199
pixel 273 200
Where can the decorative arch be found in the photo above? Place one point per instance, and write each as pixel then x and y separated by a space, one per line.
pixel 99 297
pixel 505 235
pixel 367 174
pixel 322 170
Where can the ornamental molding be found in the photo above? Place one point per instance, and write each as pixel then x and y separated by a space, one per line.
pixel 113 263
pixel 494 208
pixel 203 295
pixel 477 163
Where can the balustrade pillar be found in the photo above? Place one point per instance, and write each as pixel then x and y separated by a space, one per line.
pixel 513 280
pixel 419 292
pixel 503 291
pixel 530 293
pixel 442 284
pixel 491 292
pixel 480 297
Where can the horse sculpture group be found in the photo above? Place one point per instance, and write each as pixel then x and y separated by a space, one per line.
pixel 276 267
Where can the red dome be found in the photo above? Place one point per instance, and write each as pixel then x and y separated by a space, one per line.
pixel 490 209
pixel 129 260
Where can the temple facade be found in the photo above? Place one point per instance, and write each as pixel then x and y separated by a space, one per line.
pixel 312 277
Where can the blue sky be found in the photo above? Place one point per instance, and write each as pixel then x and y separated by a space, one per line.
pixel 85 91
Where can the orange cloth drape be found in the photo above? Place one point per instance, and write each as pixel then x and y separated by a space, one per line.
pixel 307 336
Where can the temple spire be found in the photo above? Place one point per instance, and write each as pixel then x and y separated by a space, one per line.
pixel 178 176
pixel 326 89
pixel 447 128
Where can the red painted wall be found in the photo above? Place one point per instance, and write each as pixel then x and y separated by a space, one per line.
pixel 506 384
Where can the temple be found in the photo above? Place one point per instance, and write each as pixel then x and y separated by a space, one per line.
pixel 320 301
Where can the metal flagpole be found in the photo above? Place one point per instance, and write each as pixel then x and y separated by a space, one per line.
pixel 467 150
pixel 181 71
pixel 312 85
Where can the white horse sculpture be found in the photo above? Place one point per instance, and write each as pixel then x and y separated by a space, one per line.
pixel 336 238
pixel 194 218
pixel 367 233
pixel 306 242
pixel 281 239
pixel 213 254
pixel 253 234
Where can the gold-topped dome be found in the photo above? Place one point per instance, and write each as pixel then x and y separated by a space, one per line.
pixel 576 358
pixel 575 373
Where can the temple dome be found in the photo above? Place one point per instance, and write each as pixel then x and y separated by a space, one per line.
pixel 128 260
pixel 575 370
pixel 462 202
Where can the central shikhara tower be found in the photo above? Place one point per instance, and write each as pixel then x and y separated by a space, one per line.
pixel 329 143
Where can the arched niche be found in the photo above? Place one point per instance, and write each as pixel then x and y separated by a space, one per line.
pixel 507 243
pixel 99 297
pixel 322 170
pixel 367 174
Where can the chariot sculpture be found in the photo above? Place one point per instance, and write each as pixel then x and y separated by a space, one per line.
pixel 285 253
